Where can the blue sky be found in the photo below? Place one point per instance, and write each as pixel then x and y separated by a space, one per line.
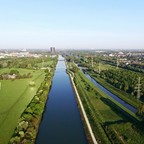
pixel 72 24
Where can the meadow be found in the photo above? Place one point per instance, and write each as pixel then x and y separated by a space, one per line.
pixel 45 64
pixel 103 66
pixel 15 95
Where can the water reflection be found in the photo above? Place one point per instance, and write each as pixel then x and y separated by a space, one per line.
pixel 61 123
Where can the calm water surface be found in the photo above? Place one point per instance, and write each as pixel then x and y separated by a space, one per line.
pixel 131 108
pixel 61 123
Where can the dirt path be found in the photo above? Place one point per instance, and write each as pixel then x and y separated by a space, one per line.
pixel 83 112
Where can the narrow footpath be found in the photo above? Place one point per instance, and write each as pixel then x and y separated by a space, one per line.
pixel 83 111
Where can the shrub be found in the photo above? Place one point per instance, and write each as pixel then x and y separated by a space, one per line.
pixel 15 140
pixel 21 133
pixel 32 84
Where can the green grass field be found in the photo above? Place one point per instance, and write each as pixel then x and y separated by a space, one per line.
pixel 109 123
pixel 45 64
pixel 21 71
pixel 14 97
pixel 103 66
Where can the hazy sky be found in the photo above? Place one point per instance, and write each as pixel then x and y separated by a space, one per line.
pixel 72 23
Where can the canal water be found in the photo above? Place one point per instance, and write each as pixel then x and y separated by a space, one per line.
pixel 61 122
pixel 122 102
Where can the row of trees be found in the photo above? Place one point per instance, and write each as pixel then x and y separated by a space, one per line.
pixel 133 67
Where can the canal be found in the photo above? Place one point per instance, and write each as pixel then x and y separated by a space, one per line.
pixel 115 97
pixel 122 102
pixel 61 122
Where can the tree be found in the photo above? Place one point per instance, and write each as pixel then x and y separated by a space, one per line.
pixel 29 66
pixel 21 133
pixel 1 65
pixel 13 71
pixel 15 140
pixel 126 86
pixel 140 110
pixel 75 69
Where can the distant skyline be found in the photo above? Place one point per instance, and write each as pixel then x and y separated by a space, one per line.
pixel 81 24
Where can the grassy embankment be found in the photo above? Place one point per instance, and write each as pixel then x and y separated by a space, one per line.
pixel 90 141
pixel 15 95
pixel 109 122
pixel 121 94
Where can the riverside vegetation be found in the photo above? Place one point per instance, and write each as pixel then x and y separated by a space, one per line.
pixel 120 81
pixel 109 122
pixel 23 97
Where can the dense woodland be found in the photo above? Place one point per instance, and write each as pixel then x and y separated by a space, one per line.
pixel 124 80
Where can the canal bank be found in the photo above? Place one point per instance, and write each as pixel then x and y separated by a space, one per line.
pixel 61 122
pixel 114 97
pixel 122 105
pixel 90 134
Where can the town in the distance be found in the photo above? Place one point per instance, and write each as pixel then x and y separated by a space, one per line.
pixel 84 96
